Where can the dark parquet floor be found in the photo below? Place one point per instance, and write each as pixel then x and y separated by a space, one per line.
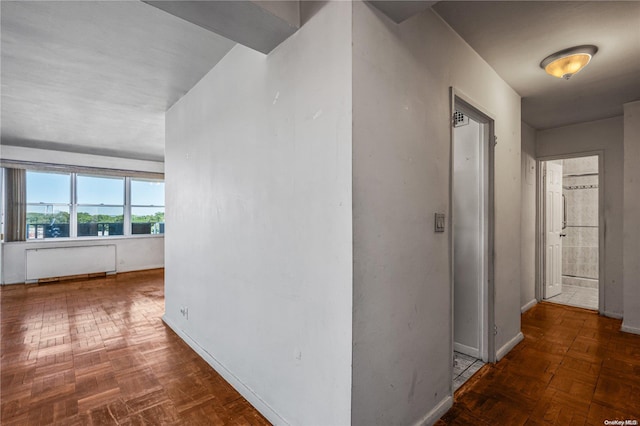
pixel 96 352
pixel 574 367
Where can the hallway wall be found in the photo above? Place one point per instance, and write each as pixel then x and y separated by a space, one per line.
pixel 528 226
pixel 402 330
pixel 258 182
pixel 605 135
pixel 631 241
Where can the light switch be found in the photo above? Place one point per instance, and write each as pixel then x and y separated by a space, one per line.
pixel 439 227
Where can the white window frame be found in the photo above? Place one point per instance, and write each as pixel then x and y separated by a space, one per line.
pixel 124 205
pixel 131 206
pixel 73 207
pixel 71 228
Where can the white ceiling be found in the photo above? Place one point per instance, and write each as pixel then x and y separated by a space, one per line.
pixel 97 76
pixel 515 36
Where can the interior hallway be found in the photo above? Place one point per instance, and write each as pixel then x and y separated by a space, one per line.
pixel 573 367
pixel 96 352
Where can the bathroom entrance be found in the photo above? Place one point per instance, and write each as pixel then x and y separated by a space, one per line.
pixel 571 231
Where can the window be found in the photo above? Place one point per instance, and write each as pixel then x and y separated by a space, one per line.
pixel 147 207
pixel 48 205
pixel 100 206
pixel 69 205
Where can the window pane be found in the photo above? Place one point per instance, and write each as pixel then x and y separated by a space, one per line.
pixel 100 190
pixel 147 220
pixel 100 221
pixel 147 193
pixel 47 221
pixel 54 188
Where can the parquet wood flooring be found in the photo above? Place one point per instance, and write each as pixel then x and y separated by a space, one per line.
pixel 574 367
pixel 96 352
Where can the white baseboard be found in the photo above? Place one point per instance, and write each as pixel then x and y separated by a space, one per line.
pixel 629 329
pixel 467 350
pixel 509 345
pixel 612 315
pixel 244 390
pixel 438 411
pixel 530 304
pixel 141 268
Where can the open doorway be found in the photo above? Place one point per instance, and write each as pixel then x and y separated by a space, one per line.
pixel 571 231
pixel 472 210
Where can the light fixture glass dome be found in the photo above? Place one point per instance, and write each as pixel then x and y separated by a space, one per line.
pixel 568 62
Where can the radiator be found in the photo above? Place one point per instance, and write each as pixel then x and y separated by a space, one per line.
pixel 65 261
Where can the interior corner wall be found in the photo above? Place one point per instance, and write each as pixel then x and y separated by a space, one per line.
pixel 258 194
pixel 528 262
pixel 631 227
pixel 402 330
pixel 607 136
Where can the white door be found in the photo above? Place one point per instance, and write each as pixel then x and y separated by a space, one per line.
pixel 553 229
pixel 469 250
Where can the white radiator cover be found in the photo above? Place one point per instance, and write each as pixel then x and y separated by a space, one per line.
pixel 66 261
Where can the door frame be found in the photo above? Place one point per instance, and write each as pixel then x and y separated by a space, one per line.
pixel 487 336
pixel 540 225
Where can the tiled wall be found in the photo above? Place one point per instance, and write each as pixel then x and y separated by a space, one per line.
pixel 580 246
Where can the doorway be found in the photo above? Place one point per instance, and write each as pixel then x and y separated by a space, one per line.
pixel 571 231
pixel 471 223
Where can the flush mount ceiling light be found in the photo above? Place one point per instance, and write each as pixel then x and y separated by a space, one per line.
pixel 565 63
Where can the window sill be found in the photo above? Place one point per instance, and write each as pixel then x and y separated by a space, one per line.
pixel 84 239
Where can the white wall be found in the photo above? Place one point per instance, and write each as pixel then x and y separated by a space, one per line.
pixel 528 179
pixel 605 135
pixel 631 214
pixel 401 142
pixel 258 189
pixel 132 254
